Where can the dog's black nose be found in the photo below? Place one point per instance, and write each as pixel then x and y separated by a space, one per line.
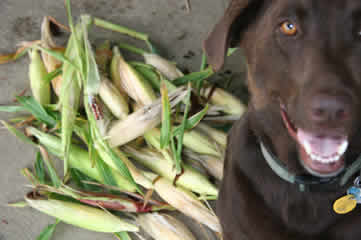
pixel 326 107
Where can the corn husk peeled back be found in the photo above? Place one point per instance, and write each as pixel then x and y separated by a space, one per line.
pixel 51 63
pixel 80 215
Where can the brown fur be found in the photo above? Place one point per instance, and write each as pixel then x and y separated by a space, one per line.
pixel 325 57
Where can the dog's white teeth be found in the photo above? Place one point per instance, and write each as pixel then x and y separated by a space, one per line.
pixel 322 159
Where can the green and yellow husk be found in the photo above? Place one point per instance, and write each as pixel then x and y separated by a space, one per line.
pixel 37 74
pixel 113 99
pixel 190 178
pixel 78 159
pixel 167 68
pixel 185 202
pixel 131 81
pixel 80 215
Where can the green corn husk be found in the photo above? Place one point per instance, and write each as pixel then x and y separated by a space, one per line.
pixel 112 98
pixel 164 227
pixel 78 159
pixel 189 179
pixel 37 74
pixel 200 143
pixel 219 136
pixel 185 202
pixel 164 66
pixel 229 103
pixel 80 215
pixel 213 165
pixel 131 81
pixel 139 122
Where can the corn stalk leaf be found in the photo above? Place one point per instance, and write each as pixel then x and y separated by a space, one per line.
pixel 59 56
pixel 56 182
pixel 50 76
pixel 116 28
pixel 166 119
pixel 17 133
pixel 192 121
pixel 104 171
pixel 47 233
pixel 79 179
pixel 39 168
pixel 32 106
pixel 180 135
pixel 194 77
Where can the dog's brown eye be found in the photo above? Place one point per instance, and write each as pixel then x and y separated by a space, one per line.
pixel 288 28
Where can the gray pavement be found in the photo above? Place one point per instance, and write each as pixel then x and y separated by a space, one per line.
pixel 175 31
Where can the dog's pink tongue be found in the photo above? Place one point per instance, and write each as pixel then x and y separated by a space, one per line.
pixel 322 146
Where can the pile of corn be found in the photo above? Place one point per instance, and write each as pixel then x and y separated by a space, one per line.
pixel 136 138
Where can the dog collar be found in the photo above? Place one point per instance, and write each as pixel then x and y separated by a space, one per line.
pixel 308 182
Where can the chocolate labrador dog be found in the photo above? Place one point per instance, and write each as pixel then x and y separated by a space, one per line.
pixel 296 151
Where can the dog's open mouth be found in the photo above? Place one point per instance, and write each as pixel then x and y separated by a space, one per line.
pixel 322 155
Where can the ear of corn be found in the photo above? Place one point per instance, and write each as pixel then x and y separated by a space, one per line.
pixel 164 227
pixel 82 216
pixel 37 74
pixel 190 178
pixel 153 138
pixel 229 103
pixel 166 67
pixel 219 136
pixel 132 82
pixel 214 165
pixel 78 159
pixel 112 98
pixel 139 122
pixel 185 202
pixel 200 143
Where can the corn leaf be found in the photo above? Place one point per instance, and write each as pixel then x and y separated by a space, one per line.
pixel 59 56
pixel 50 76
pixel 32 106
pixel 180 135
pixel 122 236
pixel 166 119
pixel 12 109
pixel 116 28
pixel 39 168
pixel 17 133
pixel 131 48
pixel 56 182
pixel 104 171
pixel 20 204
pixel 14 56
pixel 47 233
pixel 194 77
pixel 192 122
pixel 79 179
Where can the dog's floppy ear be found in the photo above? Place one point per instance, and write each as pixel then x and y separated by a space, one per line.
pixel 227 31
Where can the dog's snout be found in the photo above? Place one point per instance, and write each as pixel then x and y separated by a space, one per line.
pixel 324 108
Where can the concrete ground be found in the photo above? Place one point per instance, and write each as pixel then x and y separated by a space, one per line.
pixel 177 33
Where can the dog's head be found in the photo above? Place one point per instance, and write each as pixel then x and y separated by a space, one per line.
pixel 304 76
